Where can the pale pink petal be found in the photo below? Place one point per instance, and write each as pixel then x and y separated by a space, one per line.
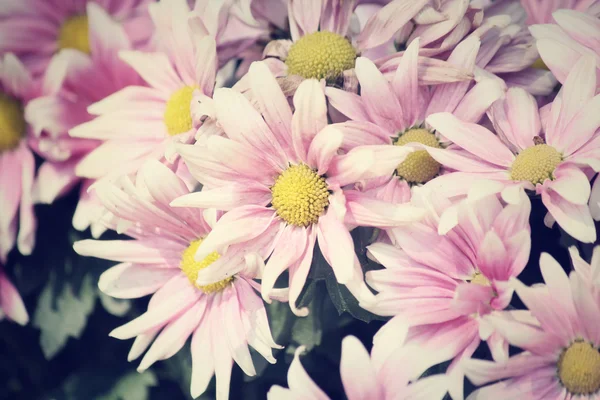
pixel 130 281
pixel 27 220
pixel 11 303
pixel 523 117
pixel 405 84
pixel 380 102
pixel 488 146
pixel 429 388
pixel 160 314
pixel 575 219
pixel 288 249
pixel 595 200
pixel 478 100
pixel 310 116
pixel 154 68
pixel 300 382
pixel 582 127
pixel 382 25
pixel 241 224
pixel 480 372
pixel 304 17
pixel 54 180
pixel 226 198
pixel 571 184
pixel 584 28
pixel 336 243
pixel 272 103
pixel 323 147
pixel 358 376
pixel 366 162
pixel 364 210
pixel 202 357
pixel 172 338
pixel 206 64
pixel 349 104
pixel 231 322
pixel 242 123
pixel 223 360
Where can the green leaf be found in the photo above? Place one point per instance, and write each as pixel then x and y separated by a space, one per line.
pixel 132 386
pixel 64 315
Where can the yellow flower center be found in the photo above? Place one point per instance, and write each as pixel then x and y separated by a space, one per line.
pixel 479 279
pixel 74 34
pixel 418 166
pixel 191 267
pixel 539 64
pixel 321 55
pixel 12 123
pixel 300 195
pixel 535 164
pixel 178 118
pixel 579 368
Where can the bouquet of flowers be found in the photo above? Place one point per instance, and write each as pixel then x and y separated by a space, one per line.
pixel 304 199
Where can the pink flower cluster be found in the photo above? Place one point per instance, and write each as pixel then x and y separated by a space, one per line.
pixel 234 140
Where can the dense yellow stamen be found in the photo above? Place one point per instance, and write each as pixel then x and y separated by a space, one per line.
pixel 579 368
pixel 320 55
pixel 300 195
pixel 178 118
pixel 418 166
pixel 535 164
pixel 539 64
pixel 480 279
pixel 191 267
pixel 74 34
pixel 12 123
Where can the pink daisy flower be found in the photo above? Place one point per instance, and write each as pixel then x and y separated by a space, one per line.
pixel 279 174
pixel 11 304
pixel 540 11
pixel 563 44
pixel 557 166
pixel 141 122
pixel 72 82
pixel 560 338
pixel 363 377
pixel 36 29
pixel 392 113
pixel 222 318
pixel 17 164
pixel 323 43
pixel 440 281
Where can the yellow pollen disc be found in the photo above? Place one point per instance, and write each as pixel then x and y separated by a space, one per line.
pixel 74 34
pixel 535 164
pixel 579 368
pixel 300 195
pixel 178 118
pixel 191 267
pixel 320 55
pixel 12 123
pixel 418 166
pixel 539 64
pixel 479 279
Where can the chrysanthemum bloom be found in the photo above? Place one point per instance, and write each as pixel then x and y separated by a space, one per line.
pixel 72 82
pixel 139 122
pixel 364 377
pixel 563 44
pixel 393 113
pixel 222 318
pixel 17 165
pixel 279 174
pixel 322 44
pixel 519 157
pixel 441 284
pixel 11 304
pixel 540 11
pixel 560 339
pixel 36 29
